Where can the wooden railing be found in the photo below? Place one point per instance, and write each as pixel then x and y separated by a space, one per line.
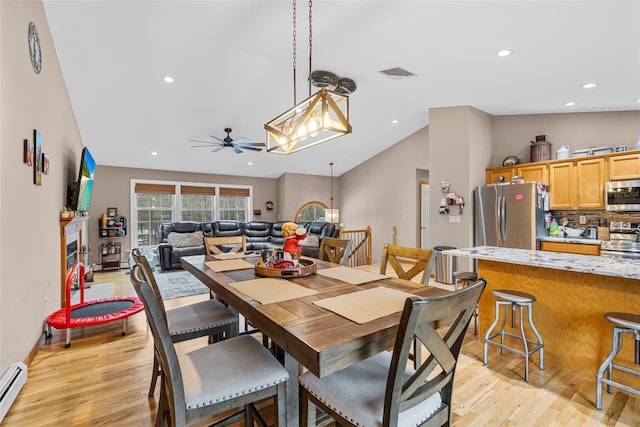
pixel 360 248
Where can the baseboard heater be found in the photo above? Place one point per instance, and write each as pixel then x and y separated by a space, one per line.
pixel 10 385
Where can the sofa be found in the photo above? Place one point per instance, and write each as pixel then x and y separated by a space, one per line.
pixel 185 238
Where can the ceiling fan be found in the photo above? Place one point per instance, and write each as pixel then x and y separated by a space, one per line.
pixel 236 145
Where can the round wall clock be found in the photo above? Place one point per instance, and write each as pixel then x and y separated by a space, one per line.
pixel 34 48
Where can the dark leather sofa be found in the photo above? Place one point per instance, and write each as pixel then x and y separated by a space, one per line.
pixel 260 235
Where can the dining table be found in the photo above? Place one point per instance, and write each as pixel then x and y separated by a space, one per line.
pixel 309 335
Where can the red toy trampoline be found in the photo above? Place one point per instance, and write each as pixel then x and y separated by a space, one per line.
pixel 89 313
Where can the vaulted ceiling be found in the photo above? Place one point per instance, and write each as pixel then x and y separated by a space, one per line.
pixel 232 67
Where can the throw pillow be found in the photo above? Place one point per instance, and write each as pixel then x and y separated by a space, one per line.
pixel 310 241
pixel 185 240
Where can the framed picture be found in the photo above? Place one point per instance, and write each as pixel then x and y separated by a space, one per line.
pixel 112 211
pixel 45 164
pixel 37 158
pixel 28 152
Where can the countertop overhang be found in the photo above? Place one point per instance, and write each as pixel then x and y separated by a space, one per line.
pixel 605 266
pixel 576 240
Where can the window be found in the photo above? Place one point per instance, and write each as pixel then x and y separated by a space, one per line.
pixel 157 203
pixel 233 204
pixel 311 211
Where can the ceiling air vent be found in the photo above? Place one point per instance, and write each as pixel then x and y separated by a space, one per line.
pixel 397 73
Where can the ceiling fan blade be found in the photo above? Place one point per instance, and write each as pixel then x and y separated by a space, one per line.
pixel 236 149
pixel 203 141
pixel 251 148
pixel 241 140
pixel 200 146
pixel 217 139
pixel 250 144
pixel 218 149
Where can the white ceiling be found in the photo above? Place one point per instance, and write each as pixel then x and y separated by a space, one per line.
pixel 232 65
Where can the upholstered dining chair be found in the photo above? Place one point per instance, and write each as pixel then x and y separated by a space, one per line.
pixel 212 379
pixel 384 390
pixel 205 318
pixel 213 245
pixel 421 261
pixel 335 250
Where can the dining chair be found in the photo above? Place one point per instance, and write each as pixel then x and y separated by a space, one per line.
pixel 384 390
pixel 205 318
pixel 213 245
pixel 335 250
pixel 212 379
pixel 421 261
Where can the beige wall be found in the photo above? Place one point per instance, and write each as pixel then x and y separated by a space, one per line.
pixel 29 214
pixel 383 192
pixel 297 189
pixel 512 134
pixel 112 189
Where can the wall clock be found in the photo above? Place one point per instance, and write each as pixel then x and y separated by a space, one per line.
pixel 34 48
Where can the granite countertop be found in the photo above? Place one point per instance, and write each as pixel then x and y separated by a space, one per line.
pixel 578 240
pixel 616 267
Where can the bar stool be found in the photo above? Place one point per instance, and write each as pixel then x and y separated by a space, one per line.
pixel 514 299
pixel 624 322
pixel 464 279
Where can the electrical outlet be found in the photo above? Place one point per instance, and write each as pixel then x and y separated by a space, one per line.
pixel 583 219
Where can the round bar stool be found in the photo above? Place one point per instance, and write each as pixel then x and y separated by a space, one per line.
pixel 624 322
pixel 514 300
pixel 464 279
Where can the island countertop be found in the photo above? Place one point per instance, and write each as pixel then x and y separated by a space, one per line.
pixel 605 266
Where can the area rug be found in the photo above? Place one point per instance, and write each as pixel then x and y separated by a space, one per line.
pixel 176 284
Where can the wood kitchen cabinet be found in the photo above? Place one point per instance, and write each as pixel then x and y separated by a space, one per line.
pixel 577 184
pixel 626 166
pixel 590 177
pixel 535 172
pixel 506 172
pixel 561 185
pixel 570 248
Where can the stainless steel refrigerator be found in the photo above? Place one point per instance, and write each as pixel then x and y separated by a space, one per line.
pixel 510 215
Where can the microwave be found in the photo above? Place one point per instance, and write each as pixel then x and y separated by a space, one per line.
pixel 622 195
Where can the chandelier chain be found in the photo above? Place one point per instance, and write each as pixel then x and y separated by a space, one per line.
pixel 310 43
pixel 295 98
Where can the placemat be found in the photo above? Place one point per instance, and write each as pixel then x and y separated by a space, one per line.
pixel 351 275
pixel 228 265
pixel 268 290
pixel 365 306
pixel 231 255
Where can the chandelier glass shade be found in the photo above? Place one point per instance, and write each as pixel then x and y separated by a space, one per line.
pixel 321 117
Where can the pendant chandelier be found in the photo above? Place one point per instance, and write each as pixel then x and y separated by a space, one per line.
pixel 332 214
pixel 319 118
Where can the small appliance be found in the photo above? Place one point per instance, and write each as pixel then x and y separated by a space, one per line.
pixel 623 196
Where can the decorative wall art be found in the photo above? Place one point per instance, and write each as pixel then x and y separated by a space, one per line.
pixel 37 158
pixel 45 164
pixel 27 157
pixel 112 211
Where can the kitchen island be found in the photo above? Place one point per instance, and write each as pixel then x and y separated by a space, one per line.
pixel 573 293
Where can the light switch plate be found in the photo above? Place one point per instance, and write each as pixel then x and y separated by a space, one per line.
pixel 454 219
pixel 583 219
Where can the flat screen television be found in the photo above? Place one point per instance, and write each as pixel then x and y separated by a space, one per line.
pixel 80 190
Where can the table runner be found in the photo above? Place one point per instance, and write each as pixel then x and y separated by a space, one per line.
pixel 269 290
pixel 228 265
pixel 365 306
pixel 231 255
pixel 351 275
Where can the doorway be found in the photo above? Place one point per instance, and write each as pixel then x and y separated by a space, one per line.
pixel 424 214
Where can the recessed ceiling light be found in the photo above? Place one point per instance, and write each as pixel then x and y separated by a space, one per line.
pixel 394 121
pixel 638 100
pixel 589 85
pixel 250 163
pixel 569 104
pixel 154 153
pixel 168 79
pixel 504 52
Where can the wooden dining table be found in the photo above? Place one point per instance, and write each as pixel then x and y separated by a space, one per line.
pixel 310 336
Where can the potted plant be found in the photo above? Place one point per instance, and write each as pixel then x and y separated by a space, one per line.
pixel 64 213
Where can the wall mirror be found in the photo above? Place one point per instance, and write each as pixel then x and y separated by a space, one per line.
pixel 311 211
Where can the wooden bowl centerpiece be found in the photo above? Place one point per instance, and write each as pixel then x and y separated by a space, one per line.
pixel 277 267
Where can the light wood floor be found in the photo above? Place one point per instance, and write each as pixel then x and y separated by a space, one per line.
pixel 103 380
